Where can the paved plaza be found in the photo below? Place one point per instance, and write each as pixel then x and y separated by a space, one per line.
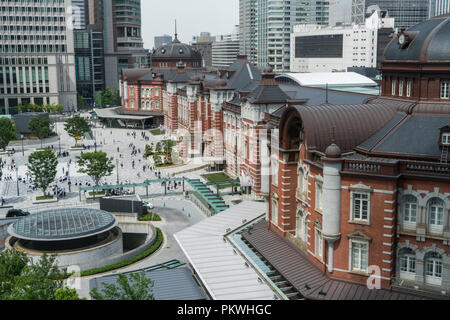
pixel 177 212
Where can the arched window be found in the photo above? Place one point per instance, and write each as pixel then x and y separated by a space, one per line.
pixel 157 104
pixel 275 212
pixel 407 264
pixel 433 269
pixel 147 92
pixel 274 171
pixel 409 211
pixel 148 105
pixel 436 215
pixel 301 225
pixel 301 180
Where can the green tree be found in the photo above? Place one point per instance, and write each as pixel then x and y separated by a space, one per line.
pixel 77 127
pixel 96 165
pixel 12 262
pixel 40 127
pixel 67 294
pixel 8 132
pixel 80 100
pixel 107 97
pixel 99 99
pixel 135 286
pixel 42 168
pixel 37 280
pixel 116 100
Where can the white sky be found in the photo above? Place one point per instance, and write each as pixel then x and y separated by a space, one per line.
pixel 193 16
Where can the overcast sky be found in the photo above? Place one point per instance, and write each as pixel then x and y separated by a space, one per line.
pixel 193 16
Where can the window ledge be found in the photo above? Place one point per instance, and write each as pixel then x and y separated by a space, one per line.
pixel 319 211
pixel 359 273
pixel 363 223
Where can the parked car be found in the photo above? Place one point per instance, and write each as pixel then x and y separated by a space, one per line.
pixel 148 205
pixel 16 213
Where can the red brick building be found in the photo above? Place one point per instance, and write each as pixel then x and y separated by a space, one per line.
pixel 364 188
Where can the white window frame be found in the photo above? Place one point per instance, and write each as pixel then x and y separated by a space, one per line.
pixel 318 244
pixel 446 139
pixel 358 216
pixel 400 88
pixel 319 196
pixel 409 210
pixel 394 87
pixel 301 230
pixel 407 265
pixel 275 212
pixel 408 88
pixel 445 88
pixel 436 213
pixel 357 245
pixel 275 169
pixel 433 275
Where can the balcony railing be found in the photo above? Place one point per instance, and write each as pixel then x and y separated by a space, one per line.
pixel 395 168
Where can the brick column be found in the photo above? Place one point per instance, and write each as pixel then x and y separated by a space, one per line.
pixel 173 113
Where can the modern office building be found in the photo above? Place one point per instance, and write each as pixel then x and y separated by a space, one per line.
pixel 204 43
pixel 162 40
pixel 340 12
pixel 124 47
pixel 317 48
pixel 247 29
pixel 36 59
pixel 89 64
pixel 78 11
pixel 406 12
pixel 438 7
pixel 265 28
pixel 225 50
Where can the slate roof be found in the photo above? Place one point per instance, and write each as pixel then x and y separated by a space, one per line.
pixel 431 42
pixel 308 279
pixel 172 284
pixel 268 94
pixel 318 96
pixel 409 135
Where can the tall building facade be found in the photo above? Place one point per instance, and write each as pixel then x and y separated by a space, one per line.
pixel 407 13
pixel 438 7
pixel 247 29
pixel 225 50
pixel 161 40
pixel 36 59
pixel 317 48
pixel 124 47
pixel 265 27
pixel 204 43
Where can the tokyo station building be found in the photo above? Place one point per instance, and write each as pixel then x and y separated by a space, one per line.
pixel 357 186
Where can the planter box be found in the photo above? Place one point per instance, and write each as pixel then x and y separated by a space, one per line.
pixel 76 149
pixel 52 200
pixel 97 196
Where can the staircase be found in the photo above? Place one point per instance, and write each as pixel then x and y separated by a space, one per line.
pixel 444 155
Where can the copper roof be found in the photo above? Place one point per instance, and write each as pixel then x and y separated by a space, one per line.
pixel 345 125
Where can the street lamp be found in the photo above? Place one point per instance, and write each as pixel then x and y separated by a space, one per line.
pixel 117 167
pixel 17 180
pixel 23 149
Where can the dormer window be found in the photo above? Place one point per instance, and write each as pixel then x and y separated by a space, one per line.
pixel 446 139
pixel 445 86
pixel 394 87
pixel 400 88
pixel 408 88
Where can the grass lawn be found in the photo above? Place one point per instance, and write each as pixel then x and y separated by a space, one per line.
pixel 151 216
pixel 217 177
pixel 220 178
pixel 157 132
pixel 97 193
pixel 42 198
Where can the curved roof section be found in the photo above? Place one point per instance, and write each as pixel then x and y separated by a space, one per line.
pixel 345 125
pixel 63 224
pixel 176 50
pixel 431 43
pixel 335 79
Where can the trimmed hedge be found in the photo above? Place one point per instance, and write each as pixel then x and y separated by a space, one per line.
pixel 125 263
pixel 150 217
